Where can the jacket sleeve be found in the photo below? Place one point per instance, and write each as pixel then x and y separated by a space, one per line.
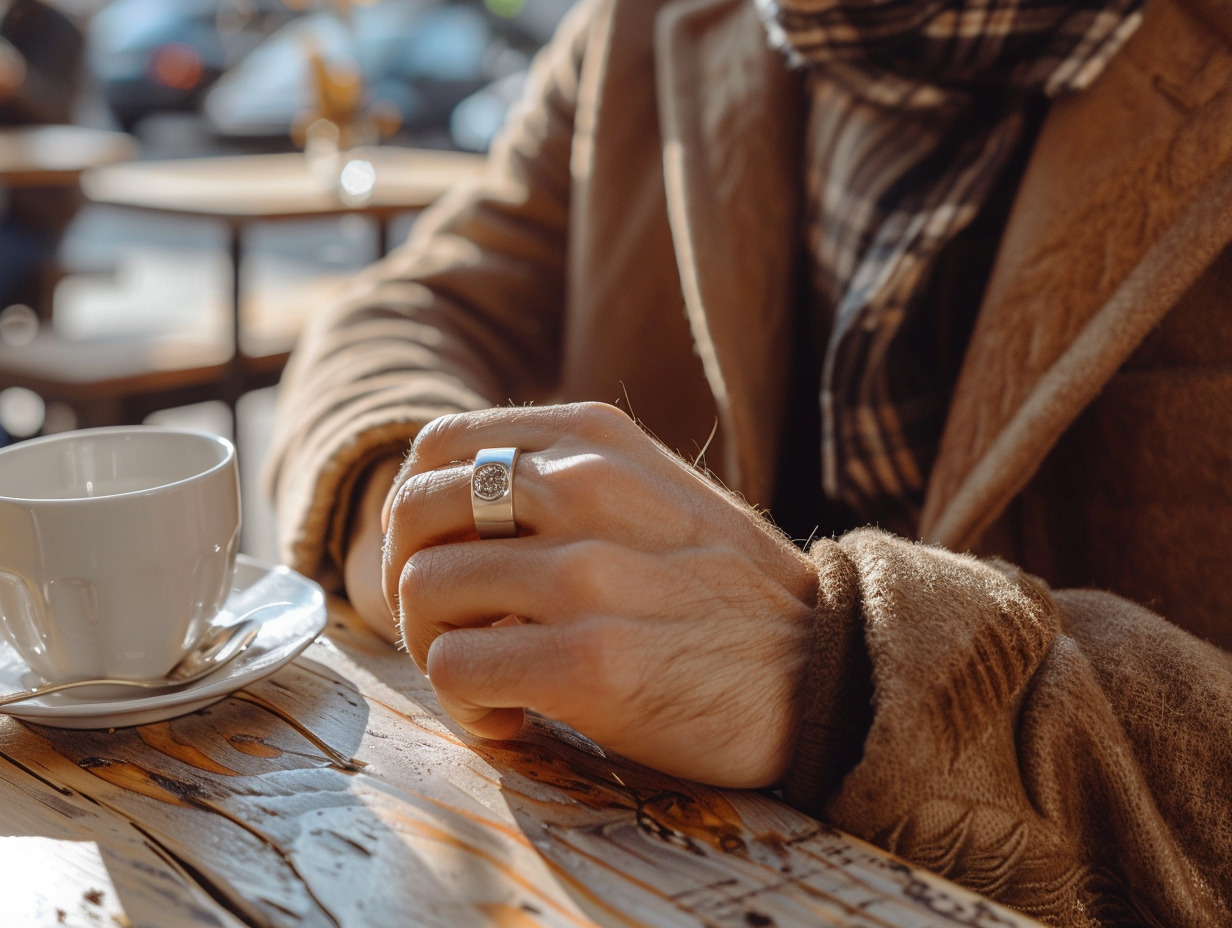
pixel 465 315
pixel 1065 753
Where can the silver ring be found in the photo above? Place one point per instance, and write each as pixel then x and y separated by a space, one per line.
pixel 492 493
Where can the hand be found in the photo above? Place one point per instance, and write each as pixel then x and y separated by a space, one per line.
pixel 643 605
pixel 361 569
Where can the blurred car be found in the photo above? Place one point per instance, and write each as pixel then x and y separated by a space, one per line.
pixel 156 55
pixel 475 121
pixel 417 58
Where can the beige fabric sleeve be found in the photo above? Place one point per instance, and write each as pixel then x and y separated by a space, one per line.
pixel 1066 754
pixel 464 316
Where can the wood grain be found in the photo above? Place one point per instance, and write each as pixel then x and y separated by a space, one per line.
pixel 334 794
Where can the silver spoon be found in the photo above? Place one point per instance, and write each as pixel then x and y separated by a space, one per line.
pixel 213 651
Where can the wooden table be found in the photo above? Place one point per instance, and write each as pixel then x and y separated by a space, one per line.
pixel 335 794
pixel 54 156
pixel 241 190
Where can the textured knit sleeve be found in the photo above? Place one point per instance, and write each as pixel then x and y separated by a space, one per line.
pixel 466 315
pixel 1065 753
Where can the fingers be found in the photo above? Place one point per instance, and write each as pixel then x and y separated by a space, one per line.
pixel 570 490
pixel 585 471
pixel 430 501
pixel 640 604
pixel 570 496
pixel 458 437
pixel 428 509
pixel 484 677
pixel 478 584
pixel 566 495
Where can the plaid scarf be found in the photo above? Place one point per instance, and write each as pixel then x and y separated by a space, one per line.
pixel 916 108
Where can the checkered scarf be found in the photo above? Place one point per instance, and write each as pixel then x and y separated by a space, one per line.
pixel 916 108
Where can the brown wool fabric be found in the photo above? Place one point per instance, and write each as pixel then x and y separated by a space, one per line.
pixel 1017 731
pixel 836 708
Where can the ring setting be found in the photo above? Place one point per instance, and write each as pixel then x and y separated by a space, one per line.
pixel 492 493
pixel 490 481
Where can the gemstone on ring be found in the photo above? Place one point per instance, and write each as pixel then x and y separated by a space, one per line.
pixel 490 481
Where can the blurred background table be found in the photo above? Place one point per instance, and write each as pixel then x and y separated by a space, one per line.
pixel 125 378
pixel 129 318
pixel 336 794
pixel 247 189
pixel 46 156
pixel 243 189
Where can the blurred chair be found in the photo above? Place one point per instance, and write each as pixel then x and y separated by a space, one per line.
pixel 107 381
pixel 122 379
pixel 41 55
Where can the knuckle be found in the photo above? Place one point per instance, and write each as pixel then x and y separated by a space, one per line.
pixel 415 583
pixel 583 482
pixel 599 420
pixel 411 495
pixel 600 412
pixel 435 438
pixel 583 574
pixel 414 611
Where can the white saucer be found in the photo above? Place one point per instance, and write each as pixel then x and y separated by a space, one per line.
pixel 290 608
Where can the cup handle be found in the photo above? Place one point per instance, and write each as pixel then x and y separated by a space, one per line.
pixel 21 614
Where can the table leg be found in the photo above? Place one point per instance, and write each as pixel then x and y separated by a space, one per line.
pixel 233 387
pixel 382 236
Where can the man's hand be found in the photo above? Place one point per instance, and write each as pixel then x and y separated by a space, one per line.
pixel 362 568
pixel 642 604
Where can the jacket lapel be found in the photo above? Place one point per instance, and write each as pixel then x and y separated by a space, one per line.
pixel 729 112
pixel 1123 205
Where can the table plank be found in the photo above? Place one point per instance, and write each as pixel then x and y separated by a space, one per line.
pixel 336 794
pixel 65 859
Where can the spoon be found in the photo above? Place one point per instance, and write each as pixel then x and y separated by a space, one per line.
pixel 213 651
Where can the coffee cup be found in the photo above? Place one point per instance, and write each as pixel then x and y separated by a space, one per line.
pixel 117 548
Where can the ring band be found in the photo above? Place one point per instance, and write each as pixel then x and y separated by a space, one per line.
pixel 492 493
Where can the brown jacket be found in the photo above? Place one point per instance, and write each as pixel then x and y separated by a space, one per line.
pixel 633 241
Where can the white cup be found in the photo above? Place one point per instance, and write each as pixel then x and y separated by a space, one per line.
pixel 117 547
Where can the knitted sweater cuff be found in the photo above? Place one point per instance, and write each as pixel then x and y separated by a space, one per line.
pixel 836 696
